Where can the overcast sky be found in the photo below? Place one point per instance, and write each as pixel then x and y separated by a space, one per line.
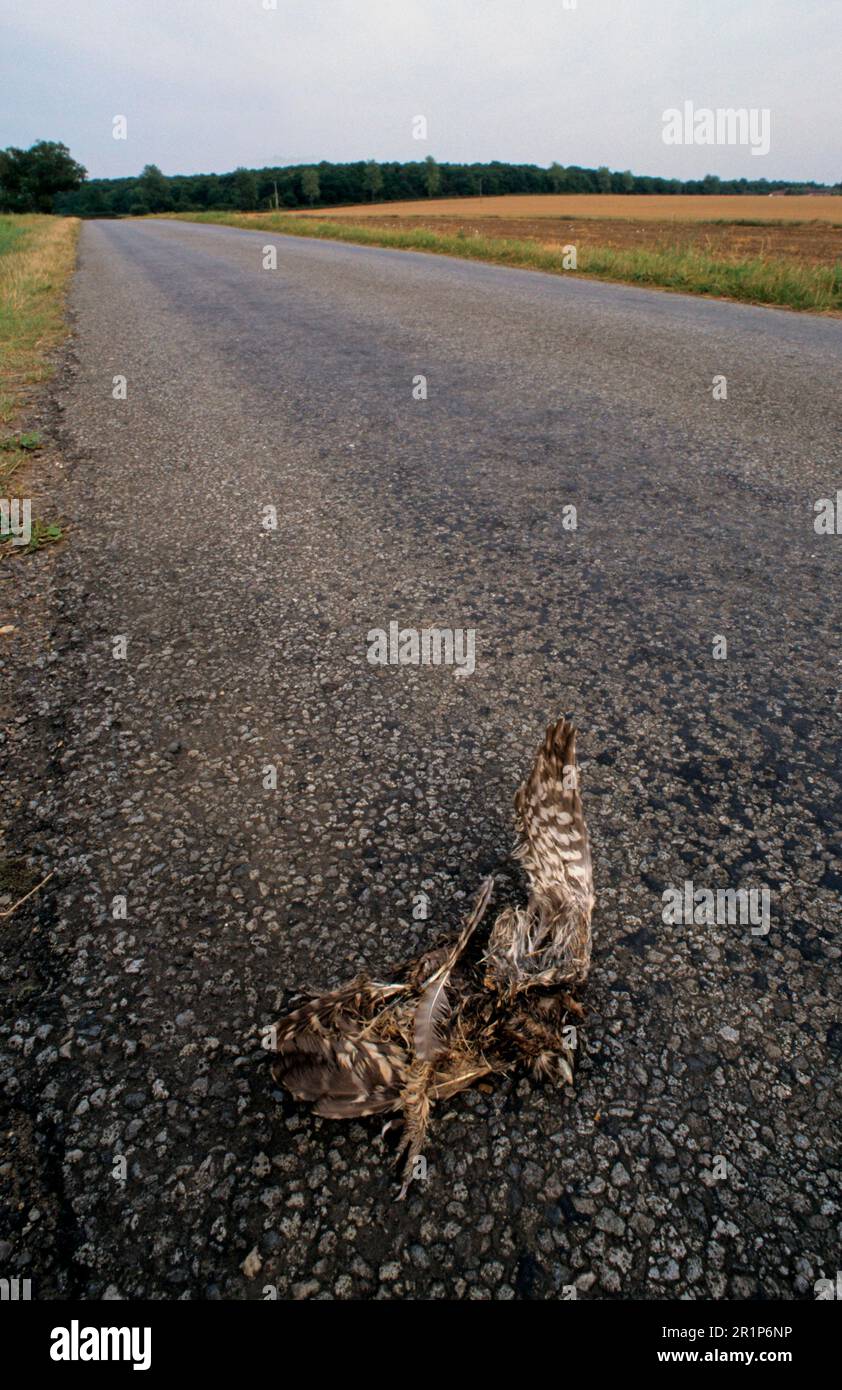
pixel 207 85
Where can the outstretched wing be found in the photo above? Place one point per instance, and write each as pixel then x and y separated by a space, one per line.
pixel 326 1055
pixel 552 834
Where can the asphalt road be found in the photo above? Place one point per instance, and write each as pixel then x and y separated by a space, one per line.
pixel 697 1156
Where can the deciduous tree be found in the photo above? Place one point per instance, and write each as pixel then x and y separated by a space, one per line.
pixel 30 179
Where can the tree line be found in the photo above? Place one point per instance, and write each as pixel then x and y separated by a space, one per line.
pixel 47 179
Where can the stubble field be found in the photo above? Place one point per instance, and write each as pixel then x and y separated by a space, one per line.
pixel 634 207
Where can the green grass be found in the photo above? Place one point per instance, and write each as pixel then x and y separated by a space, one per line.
pixel 10 232
pixel 25 443
pixel 758 281
pixel 42 533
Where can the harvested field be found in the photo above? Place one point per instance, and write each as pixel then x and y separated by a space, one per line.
pixel 631 207
pixel 811 244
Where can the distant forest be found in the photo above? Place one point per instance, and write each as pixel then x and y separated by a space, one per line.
pixel 329 185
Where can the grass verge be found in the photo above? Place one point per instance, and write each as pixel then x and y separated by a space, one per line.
pixel 37 255
pixel 768 281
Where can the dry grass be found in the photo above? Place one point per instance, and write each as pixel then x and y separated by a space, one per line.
pixel 37 256
pixel 635 207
